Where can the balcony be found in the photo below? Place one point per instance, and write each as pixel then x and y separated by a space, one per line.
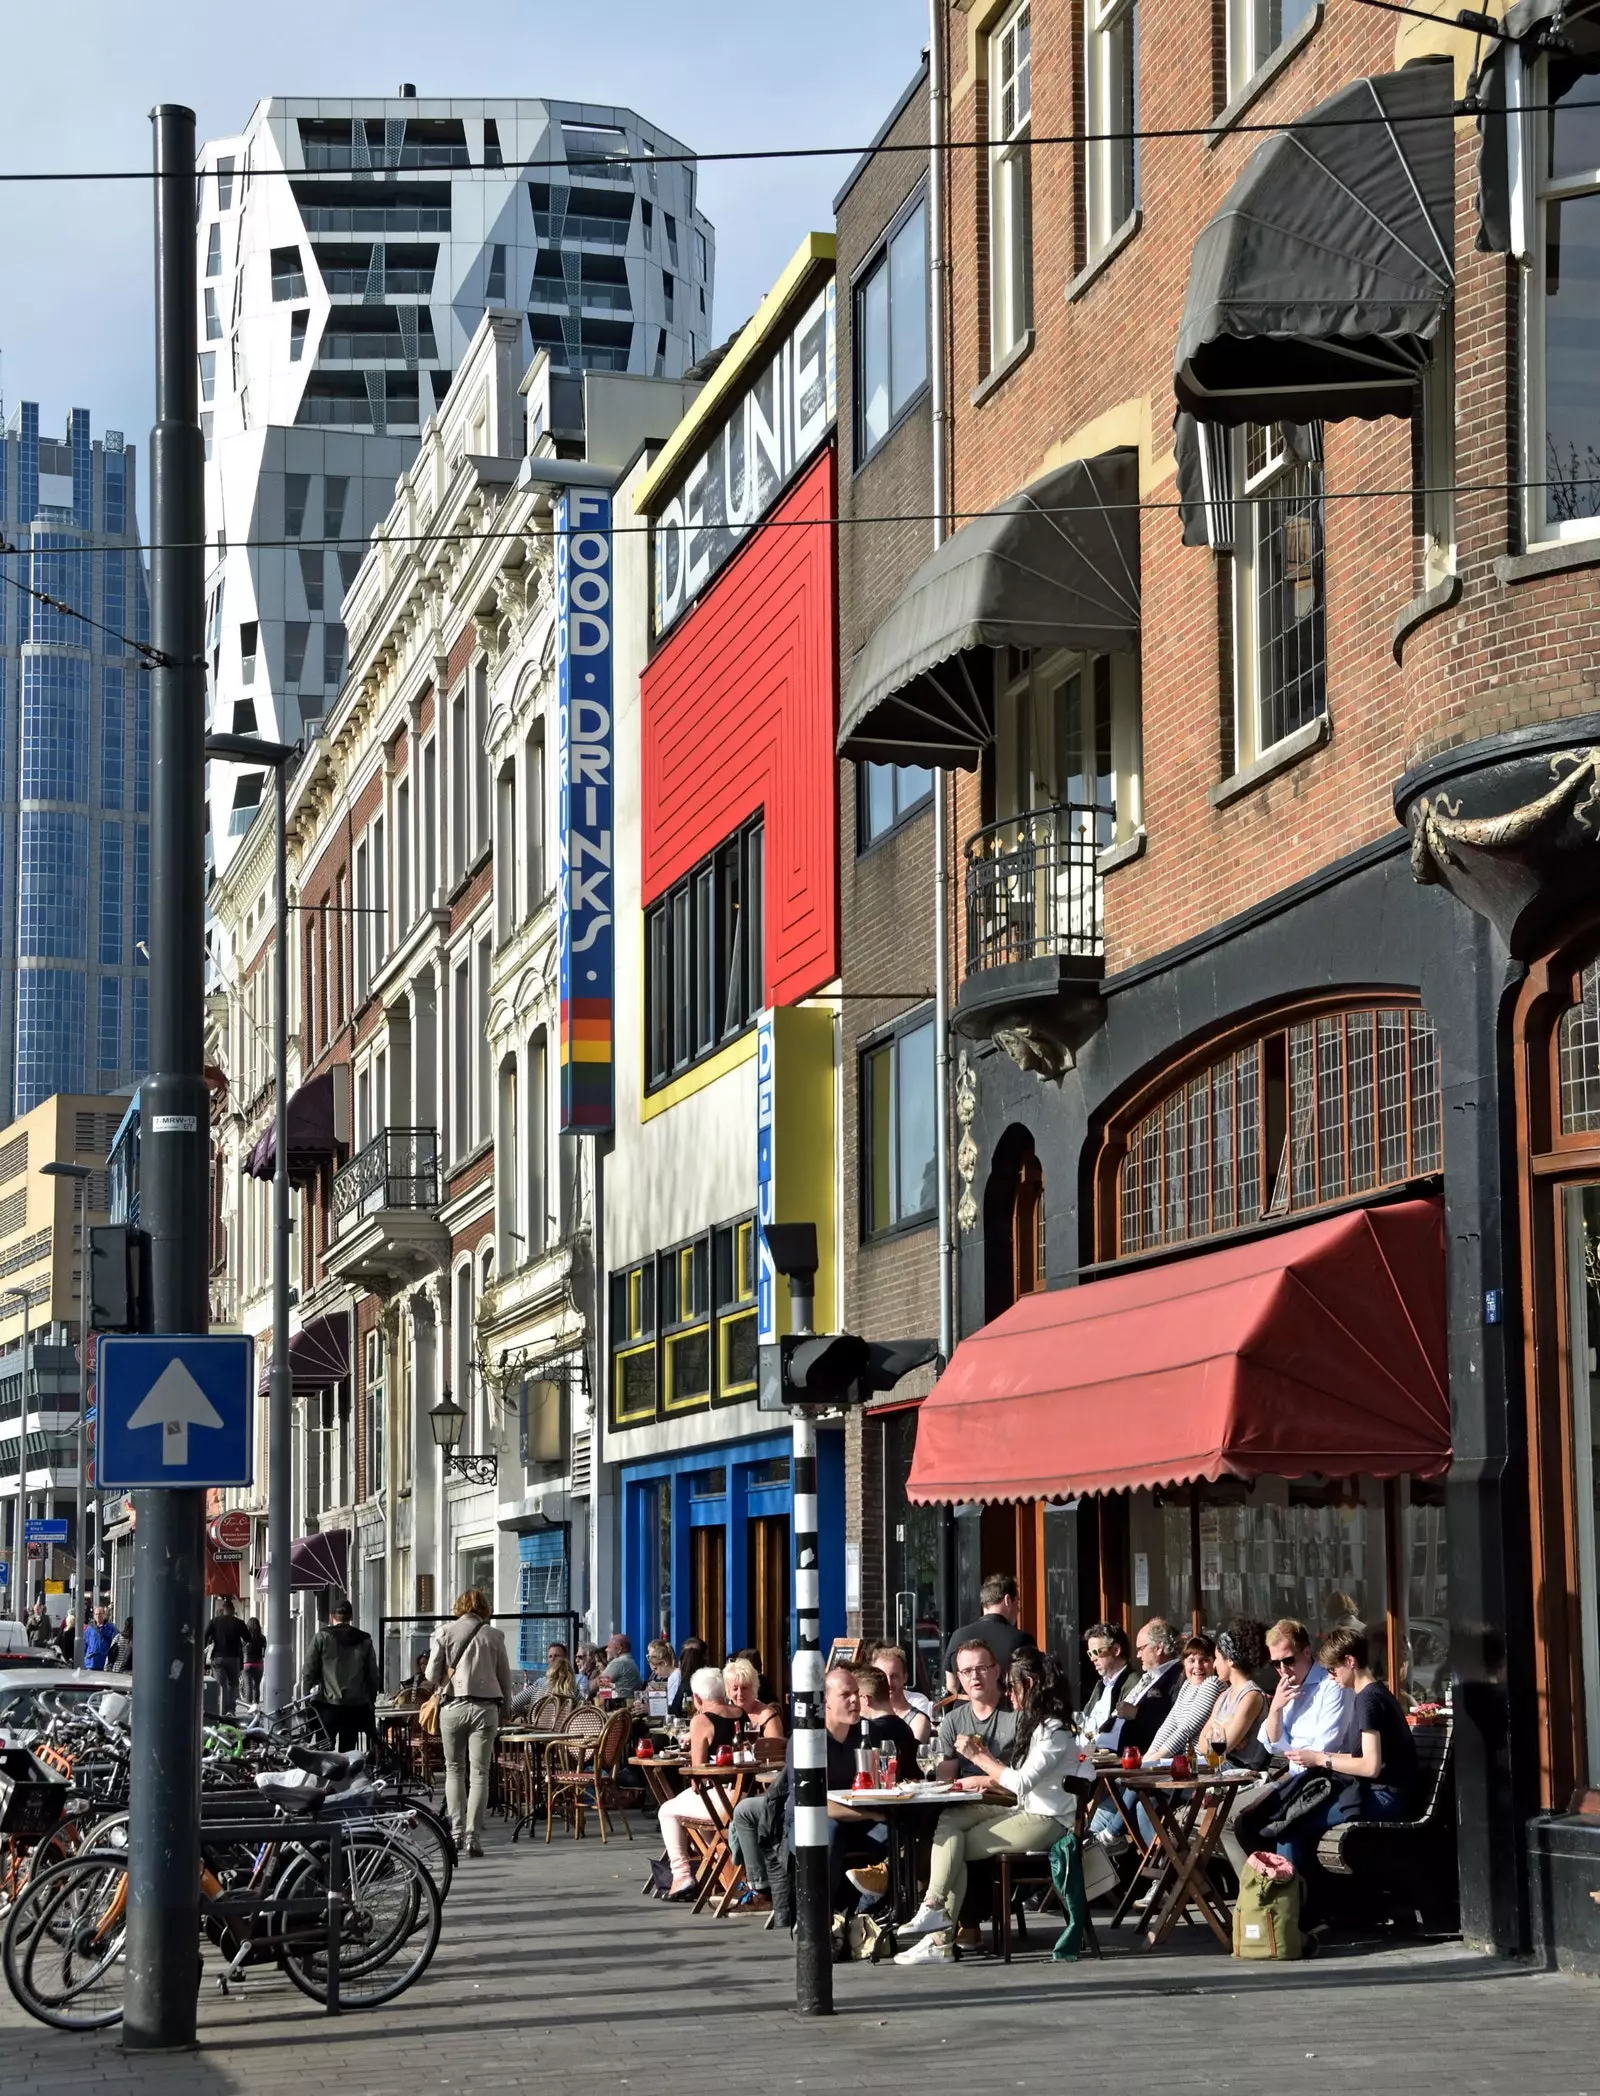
pixel 1035 932
pixel 384 1211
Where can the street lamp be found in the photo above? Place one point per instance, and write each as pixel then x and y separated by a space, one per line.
pixel 447 1420
pixel 79 1174
pixel 278 1673
pixel 22 1442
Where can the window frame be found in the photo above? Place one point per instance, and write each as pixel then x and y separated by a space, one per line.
pixel 1436 452
pixel 878 259
pixel 867 838
pixel 890 1040
pixel 674 948
pixel 639 1326
pixel 1010 199
pixel 1251 493
pixel 1535 191
pixel 1239 37
pixel 1103 23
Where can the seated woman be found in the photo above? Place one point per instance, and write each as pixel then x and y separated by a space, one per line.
pixel 691 1659
pixel 661 1662
pixel 1381 1768
pixel 558 1679
pixel 1236 1715
pixel 414 1689
pixel 713 1725
pixel 1178 1730
pixel 762 1719
pixel 1036 1803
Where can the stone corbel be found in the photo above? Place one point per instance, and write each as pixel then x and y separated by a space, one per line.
pixel 1438 827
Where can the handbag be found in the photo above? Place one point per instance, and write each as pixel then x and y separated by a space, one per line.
pixel 428 1711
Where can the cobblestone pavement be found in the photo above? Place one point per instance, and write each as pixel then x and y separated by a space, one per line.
pixel 553 1968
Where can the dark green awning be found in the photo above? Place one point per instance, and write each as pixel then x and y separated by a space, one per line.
pixel 1056 566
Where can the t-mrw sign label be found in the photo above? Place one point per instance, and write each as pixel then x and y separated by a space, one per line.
pixel 175 1410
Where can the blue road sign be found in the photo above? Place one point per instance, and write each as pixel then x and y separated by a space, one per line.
pixel 5 1575
pixel 175 1410
pixel 54 1531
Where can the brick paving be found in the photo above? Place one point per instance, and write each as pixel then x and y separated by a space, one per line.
pixel 553 1968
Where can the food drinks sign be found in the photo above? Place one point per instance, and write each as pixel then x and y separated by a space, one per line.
pixel 585 895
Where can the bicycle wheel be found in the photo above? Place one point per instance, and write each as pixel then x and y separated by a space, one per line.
pixel 390 1927
pixel 63 1948
pixel 429 1839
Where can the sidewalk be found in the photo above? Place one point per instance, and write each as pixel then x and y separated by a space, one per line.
pixel 552 1968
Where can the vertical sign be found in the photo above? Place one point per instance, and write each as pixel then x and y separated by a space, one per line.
pixel 585 894
pixel 766 1185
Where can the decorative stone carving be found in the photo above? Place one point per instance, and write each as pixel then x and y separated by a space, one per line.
pixel 966 1101
pixel 1437 825
pixel 1031 1048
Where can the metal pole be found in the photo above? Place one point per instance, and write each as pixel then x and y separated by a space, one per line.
pixel 169 1574
pixel 80 1532
pixel 813 1952
pixel 277 1683
pixel 938 268
pixel 22 1449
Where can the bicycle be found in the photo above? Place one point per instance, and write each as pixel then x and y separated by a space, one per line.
pixel 334 1914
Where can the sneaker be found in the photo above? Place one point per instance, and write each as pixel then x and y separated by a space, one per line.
pixel 474 1845
pixel 924 1922
pixel 931 1950
pixel 871 1879
pixel 969 1936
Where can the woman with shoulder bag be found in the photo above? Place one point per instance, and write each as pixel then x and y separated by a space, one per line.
pixel 469 1665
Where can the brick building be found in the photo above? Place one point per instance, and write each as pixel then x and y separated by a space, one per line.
pixel 1226 1023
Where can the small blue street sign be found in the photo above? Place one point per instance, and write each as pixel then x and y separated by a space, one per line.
pixel 175 1410
pixel 54 1531
pixel 5 1576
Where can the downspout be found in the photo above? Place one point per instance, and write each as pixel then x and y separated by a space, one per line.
pixel 937 271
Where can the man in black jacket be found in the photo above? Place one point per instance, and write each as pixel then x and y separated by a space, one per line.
pixel 1143 1709
pixel 224 1648
pixel 341 1673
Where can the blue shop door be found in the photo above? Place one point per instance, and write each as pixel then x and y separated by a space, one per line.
pixel 542 1595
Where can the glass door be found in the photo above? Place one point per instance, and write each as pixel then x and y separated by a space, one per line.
pixel 1581 1232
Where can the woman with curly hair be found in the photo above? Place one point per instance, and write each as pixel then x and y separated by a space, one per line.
pixel 1236 1714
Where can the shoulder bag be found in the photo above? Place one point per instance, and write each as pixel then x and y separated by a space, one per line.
pixel 430 1707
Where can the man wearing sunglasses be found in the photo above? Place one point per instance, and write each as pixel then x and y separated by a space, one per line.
pixel 1309 1709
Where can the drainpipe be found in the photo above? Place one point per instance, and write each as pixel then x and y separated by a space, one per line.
pixel 937 270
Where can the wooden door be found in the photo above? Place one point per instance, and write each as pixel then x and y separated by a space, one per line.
pixel 708 1589
pixel 769 1595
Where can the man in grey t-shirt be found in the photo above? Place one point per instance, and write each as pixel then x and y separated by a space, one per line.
pixel 984 1716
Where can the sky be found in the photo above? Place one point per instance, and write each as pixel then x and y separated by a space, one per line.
pixel 76 268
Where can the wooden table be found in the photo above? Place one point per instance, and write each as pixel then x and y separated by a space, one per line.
pixel 533 1743
pixel 720 1872
pixel 1189 1814
pixel 901 1810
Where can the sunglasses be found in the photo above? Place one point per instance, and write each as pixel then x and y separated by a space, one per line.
pixel 1286 1666
pixel 1101 1651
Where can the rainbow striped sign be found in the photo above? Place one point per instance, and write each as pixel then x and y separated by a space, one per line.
pixel 586 894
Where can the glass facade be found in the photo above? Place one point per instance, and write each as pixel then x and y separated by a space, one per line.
pixel 68 710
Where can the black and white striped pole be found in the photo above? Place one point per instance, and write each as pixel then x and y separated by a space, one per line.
pixel 793 1247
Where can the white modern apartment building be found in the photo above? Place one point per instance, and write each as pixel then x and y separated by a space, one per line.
pixel 347 251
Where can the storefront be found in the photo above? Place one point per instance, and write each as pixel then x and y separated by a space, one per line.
pixel 707 1547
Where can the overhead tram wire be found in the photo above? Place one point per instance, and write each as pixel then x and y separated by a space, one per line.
pixel 157 658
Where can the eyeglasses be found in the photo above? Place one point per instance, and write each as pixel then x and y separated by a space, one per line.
pixel 1287 1666
pixel 1101 1651
pixel 973 1673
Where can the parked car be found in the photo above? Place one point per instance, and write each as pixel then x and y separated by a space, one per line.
pixel 26 1694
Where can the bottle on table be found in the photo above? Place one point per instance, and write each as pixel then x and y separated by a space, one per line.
pixel 865 1777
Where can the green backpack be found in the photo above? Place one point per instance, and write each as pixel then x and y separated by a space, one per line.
pixel 1266 1919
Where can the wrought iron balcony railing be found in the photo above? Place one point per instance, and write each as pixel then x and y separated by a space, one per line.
pixel 398 1169
pixel 1032 886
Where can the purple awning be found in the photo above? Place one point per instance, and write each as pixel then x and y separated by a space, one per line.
pixel 320 1560
pixel 313 1133
pixel 319 1353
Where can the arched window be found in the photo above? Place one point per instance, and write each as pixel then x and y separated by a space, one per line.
pixel 1316 1108
pixel 1013 1223
pixel 1578 1058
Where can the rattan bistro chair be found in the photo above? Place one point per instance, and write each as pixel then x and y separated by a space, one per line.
pixel 582 1773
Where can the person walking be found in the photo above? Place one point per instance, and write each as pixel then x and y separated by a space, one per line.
pixel 41 1631
pixel 98 1640
pixel 255 1659
pixel 341 1675
pixel 224 1649
pixel 468 1659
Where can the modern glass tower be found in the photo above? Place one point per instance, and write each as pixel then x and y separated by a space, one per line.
pixel 347 251
pixel 74 767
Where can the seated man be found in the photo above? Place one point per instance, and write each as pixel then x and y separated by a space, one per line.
pixel 1108 1654
pixel 906 1702
pixel 985 1716
pixel 1310 1710
pixel 1143 1710
pixel 849 1837
pixel 886 1728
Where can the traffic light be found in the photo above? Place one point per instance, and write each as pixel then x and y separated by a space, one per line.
pixel 828 1369
pixel 116 1278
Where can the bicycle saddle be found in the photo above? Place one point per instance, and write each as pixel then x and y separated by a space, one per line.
pixel 322 1762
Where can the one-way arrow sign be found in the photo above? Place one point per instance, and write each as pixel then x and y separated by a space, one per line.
pixel 175 1404
pixel 175 1410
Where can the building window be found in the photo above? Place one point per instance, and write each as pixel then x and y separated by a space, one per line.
pixel 633 1345
pixel 1578 1057
pixel 1322 1110
pixel 1010 204
pixel 1280 641
pixel 891 330
pixel 249 633
pixel 214 251
pixel 1437 457
pixel 1111 93
pixel 733 1261
pixel 288 275
pixel 225 183
pixel 1563 443
pixel 886 795
pixel 296 634
pixel 494 289
pixel 899 1179
pixel 213 317
pixel 1255 30
pixel 296 493
pixel 208 375
pixel 705 977
pixel 298 323
pixel 702 256
pixel 376 1410
pixel 311 578
pixel 685 1326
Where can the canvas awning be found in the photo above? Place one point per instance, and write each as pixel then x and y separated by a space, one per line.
pixel 313 1135
pixel 1316 291
pixel 1318 1350
pixel 319 1353
pixel 1055 566
pixel 319 1560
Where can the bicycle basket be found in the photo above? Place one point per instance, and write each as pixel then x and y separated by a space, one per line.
pixel 32 1797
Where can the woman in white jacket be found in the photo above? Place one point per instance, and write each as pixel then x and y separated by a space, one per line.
pixel 1028 1805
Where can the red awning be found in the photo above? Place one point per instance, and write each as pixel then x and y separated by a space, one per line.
pixel 319 1354
pixel 320 1559
pixel 1320 1349
pixel 313 1133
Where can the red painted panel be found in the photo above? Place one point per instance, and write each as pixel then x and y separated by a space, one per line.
pixel 738 711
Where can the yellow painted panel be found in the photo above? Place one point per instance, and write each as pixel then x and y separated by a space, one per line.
pixel 803 1142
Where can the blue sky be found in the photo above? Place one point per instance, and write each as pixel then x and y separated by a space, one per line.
pixel 82 75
